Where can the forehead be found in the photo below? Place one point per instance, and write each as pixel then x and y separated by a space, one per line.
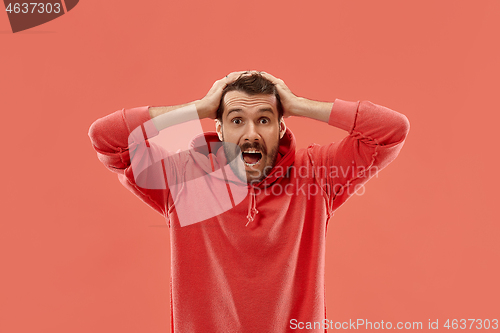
pixel 238 100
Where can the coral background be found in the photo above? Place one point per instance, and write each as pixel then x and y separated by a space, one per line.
pixel 79 253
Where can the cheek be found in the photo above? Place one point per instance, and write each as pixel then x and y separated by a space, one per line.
pixel 229 135
pixel 272 143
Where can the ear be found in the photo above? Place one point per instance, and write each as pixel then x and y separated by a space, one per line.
pixel 218 129
pixel 282 128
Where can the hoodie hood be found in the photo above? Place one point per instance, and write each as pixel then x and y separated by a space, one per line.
pixel 209 154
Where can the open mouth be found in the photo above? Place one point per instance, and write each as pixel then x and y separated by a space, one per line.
pixel 251 157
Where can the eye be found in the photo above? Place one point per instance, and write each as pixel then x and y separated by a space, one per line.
pixel 264 120
pixel 236 121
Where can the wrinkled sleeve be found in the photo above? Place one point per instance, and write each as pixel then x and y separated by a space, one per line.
pixel 121 142
pixel 376 136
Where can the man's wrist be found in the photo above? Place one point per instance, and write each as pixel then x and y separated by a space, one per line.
pixel 202 109
pixel 312 109
pixel 206 109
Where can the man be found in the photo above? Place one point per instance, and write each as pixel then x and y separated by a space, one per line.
pixel 248 240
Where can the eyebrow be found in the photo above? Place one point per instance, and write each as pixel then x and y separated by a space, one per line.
pixel 260 110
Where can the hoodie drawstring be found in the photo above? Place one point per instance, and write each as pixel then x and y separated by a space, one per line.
pixel 252 204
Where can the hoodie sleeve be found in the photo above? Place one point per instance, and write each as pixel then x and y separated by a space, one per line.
pixel 376 136
pixel 120 139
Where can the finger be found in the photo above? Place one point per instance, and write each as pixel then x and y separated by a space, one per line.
pixel 232 77
pixel 277 82
pixel 251 72
pixel 227 79
pixel 270 77
pixel 235 73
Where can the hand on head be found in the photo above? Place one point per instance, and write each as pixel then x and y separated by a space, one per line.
pixel 208 105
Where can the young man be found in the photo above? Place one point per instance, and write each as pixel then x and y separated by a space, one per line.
pixel 247 212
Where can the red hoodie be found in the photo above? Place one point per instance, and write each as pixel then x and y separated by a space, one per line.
pixel 252 259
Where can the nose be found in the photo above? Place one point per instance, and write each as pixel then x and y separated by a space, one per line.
pixel 251 133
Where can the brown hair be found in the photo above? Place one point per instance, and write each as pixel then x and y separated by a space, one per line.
pixel 254 84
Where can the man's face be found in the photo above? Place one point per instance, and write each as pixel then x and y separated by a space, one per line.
pixel 251 123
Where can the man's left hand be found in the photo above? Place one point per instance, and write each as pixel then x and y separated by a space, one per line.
pixel 291 103
pixel 299 106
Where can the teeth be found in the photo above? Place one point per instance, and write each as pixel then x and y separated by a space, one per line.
pixel 252 151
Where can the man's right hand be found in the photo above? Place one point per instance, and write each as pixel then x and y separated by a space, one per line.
pixel 208 105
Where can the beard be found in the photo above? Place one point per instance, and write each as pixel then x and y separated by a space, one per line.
pixel 234 157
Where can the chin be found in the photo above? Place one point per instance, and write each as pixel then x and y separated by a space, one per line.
pixel 254 180
pixel 255 176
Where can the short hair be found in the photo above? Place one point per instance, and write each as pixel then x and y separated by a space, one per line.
pixel 254 84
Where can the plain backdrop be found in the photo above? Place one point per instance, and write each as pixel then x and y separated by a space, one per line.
pixel 79 253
